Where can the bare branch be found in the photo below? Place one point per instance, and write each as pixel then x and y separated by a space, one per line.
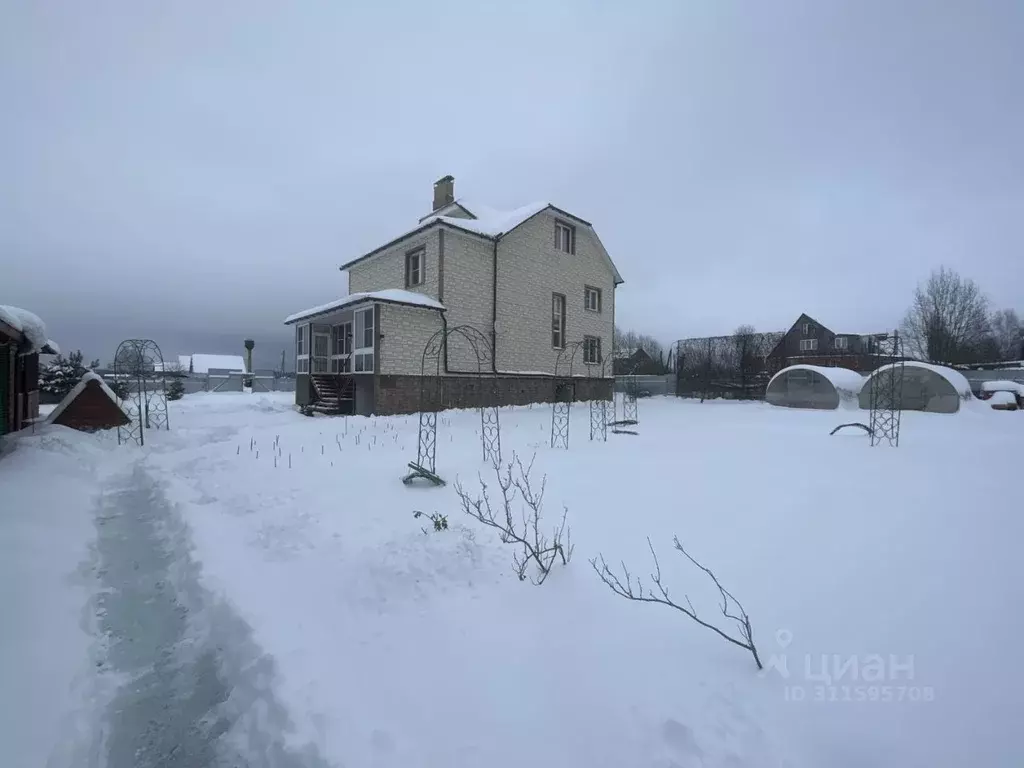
pixel 534 545
pixel 730 605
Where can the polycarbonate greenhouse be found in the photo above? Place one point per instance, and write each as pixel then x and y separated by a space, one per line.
pixel 926 387
pixel 814 386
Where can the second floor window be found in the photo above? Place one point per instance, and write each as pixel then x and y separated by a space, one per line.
pixel 592 299
pixel 414 268
pixel 592 350
pixel 842 342
pixel 808 345
pixel 557 321
pixel 565 237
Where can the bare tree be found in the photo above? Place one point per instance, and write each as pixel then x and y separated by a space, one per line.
pixel 1008 334
pixel 948 320
pixel 523 528
pixel 628 342
pixel 746 358
pixel 633 589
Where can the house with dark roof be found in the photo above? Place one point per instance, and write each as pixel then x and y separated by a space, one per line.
pixel 809 342
pixel 533 290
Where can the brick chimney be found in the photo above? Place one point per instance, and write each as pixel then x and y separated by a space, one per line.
pixel 444 192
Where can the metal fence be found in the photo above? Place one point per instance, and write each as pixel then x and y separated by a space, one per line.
pixel 648 386
pixel 724 366
pixel 226 381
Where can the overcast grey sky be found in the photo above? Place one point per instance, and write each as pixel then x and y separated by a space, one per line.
pixel 173 167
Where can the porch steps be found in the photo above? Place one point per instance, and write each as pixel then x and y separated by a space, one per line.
pixel 334 394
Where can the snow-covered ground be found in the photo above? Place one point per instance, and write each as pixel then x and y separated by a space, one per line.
pixel 295 609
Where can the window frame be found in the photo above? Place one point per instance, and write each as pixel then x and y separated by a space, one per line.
pixel 809 345
pixel 806 329
pixel 841 342
pixel 302 342
pixel 559 326
pixel 361 353
pixel 419 254
pixel 341 362
pixel 597 293
pixel 565 231
pixel 592 344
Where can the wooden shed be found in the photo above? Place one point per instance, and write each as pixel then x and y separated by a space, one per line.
pixel 89 406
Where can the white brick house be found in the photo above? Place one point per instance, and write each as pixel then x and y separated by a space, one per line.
pixel 535 285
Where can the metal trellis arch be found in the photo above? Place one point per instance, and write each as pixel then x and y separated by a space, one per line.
pixel 139 365
pixel 565 394
pixel 887 390
pixel 436 383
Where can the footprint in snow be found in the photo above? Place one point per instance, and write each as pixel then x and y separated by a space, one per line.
pixel 681 745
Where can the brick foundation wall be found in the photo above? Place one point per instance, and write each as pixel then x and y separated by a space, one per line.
pixel 402 394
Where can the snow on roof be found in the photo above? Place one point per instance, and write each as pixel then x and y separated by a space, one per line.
pixel 77 390
pixel 1003 385
pixel 204 363
pixel 51 347
pixel 491 222
pixel 391 295
pixel 840 378
pixel 956 379
pixel 26 323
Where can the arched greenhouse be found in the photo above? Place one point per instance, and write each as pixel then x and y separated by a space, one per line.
pixel 926 387
pixel 814 386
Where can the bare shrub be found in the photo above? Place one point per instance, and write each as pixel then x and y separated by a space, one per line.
pixel 521 527
pixel 633 589
pixel 440 521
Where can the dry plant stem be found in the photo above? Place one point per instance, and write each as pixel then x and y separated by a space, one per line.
pixel 523 529
pixel 633 589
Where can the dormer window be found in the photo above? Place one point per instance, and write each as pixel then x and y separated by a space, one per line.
pixel 565 237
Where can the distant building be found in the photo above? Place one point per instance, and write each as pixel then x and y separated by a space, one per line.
pixel 808 342
pixel 202 364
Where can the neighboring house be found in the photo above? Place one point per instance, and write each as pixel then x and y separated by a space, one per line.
pixel 22 340
pixel 637 361
pixel 535 284
pixel 808 342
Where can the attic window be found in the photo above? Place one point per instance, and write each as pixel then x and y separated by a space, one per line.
pixel 565 237
pixel 808 345
pixel 414 267
pixel 807 329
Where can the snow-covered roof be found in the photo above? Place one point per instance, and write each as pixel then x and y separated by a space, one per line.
pixel 841 378
pixel 204 363
pixel 27 324
pixel 390 295
pixel 51 348
pixel 77 390
pixel 956 379
pixel 490 222
pixel 1003 386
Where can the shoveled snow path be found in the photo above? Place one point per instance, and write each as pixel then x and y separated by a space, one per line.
pixel 197 690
